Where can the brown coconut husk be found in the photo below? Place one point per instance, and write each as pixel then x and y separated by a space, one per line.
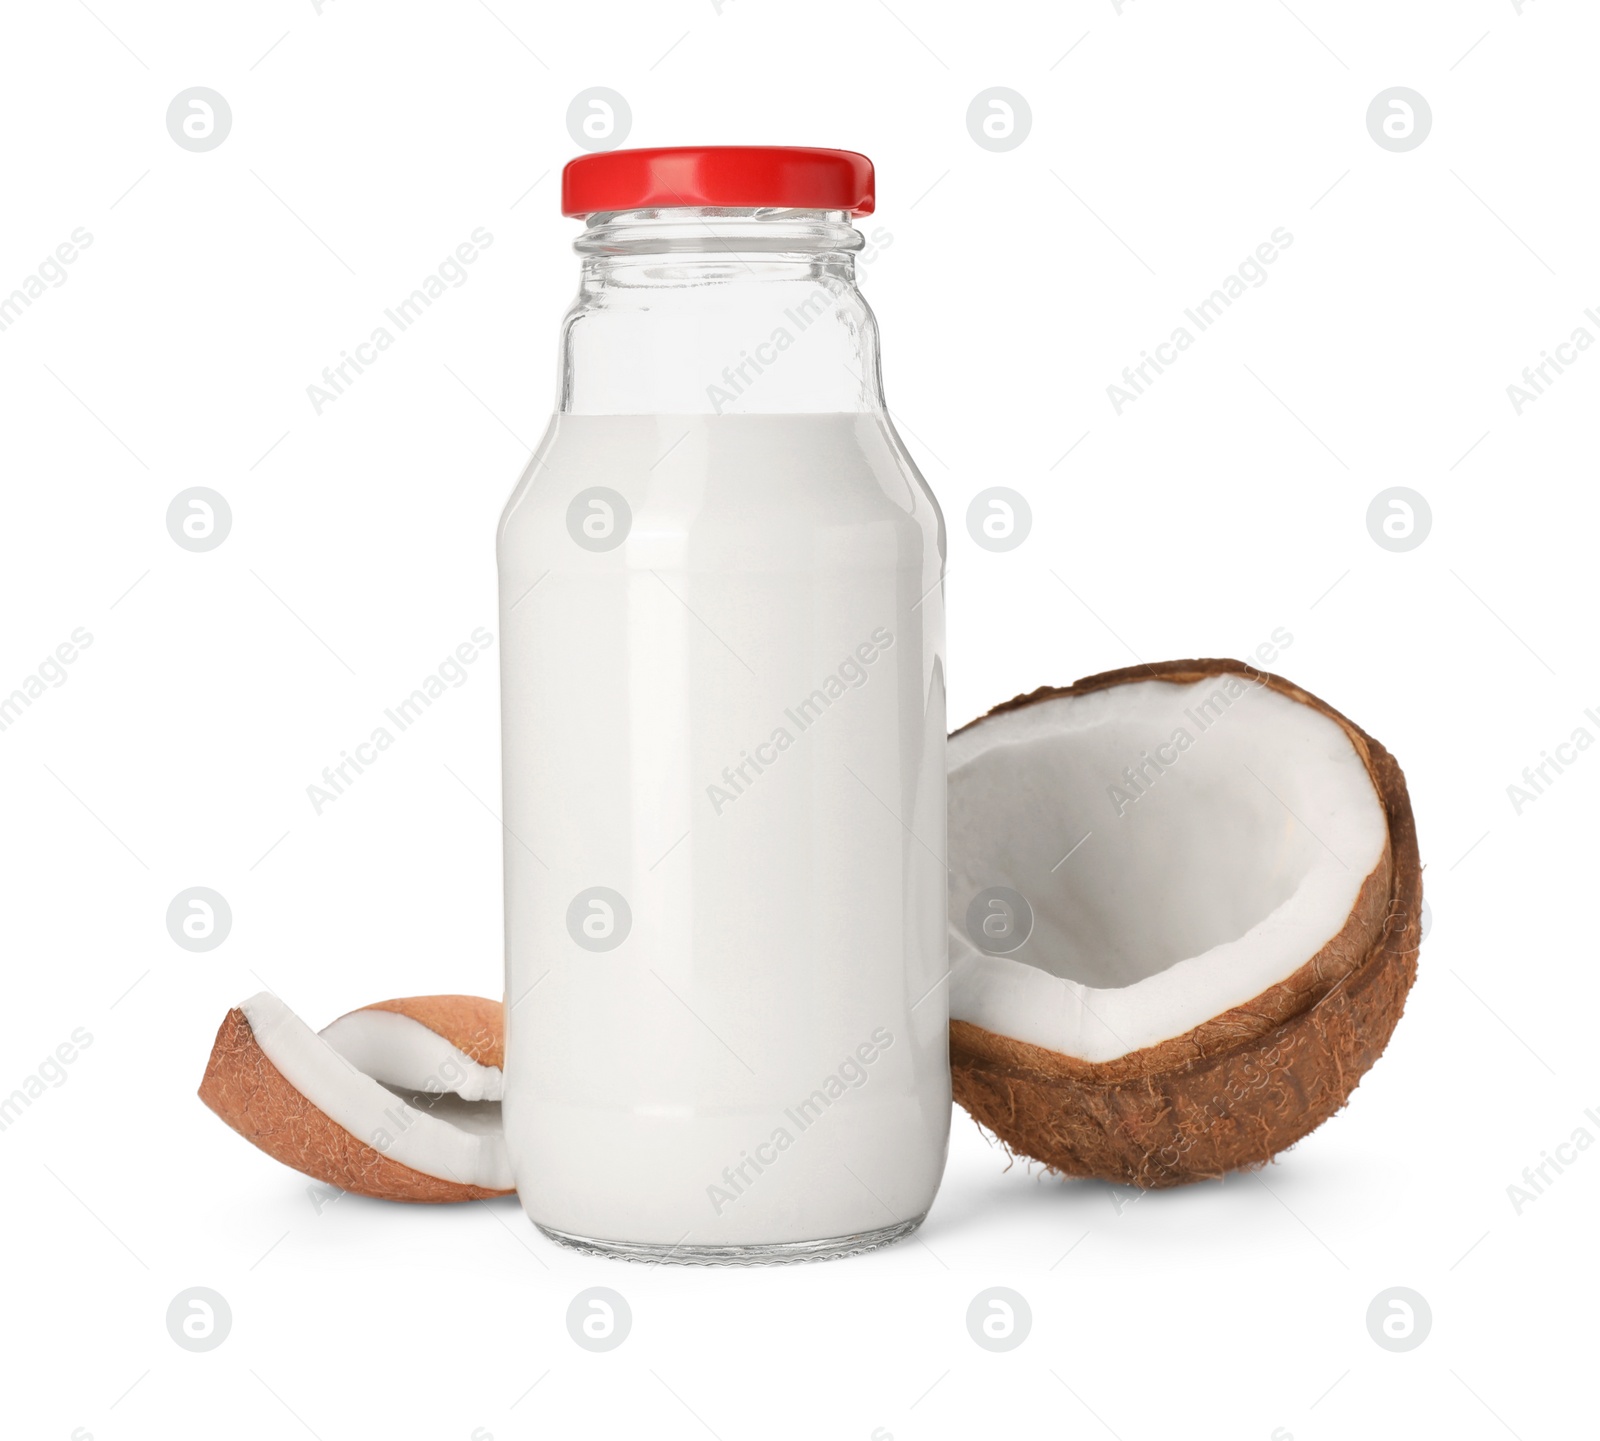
pixel 1235 1091
pixel 254 1097
pixel 474 1025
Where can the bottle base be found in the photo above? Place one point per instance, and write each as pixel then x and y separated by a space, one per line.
pixel 777 1253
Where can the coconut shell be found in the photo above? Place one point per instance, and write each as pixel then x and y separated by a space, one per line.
pixel 474 1025
pixel 253 1096
pixel 1237 1090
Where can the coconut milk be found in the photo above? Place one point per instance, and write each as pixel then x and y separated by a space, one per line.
pixel 724 782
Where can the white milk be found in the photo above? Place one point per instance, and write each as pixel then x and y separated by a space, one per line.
pixel 732 718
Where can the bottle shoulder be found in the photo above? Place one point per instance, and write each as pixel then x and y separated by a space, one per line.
pixel 808 470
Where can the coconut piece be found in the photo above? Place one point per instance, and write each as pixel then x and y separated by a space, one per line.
pixel 1213 969
pixel 430 1044
pixel 293 1094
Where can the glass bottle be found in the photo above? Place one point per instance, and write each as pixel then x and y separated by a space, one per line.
pixel 723 695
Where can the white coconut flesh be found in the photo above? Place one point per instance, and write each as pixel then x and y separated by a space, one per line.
pixel 405 1054
pixel 406 1106
pixel 1183 847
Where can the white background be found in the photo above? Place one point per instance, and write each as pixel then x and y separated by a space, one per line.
pixel 1167 143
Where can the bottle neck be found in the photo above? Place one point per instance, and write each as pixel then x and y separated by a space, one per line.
pixel 719 311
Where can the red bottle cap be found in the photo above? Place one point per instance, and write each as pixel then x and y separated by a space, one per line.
pixel 740 176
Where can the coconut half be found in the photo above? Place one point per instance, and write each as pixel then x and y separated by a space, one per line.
pixel 399 1100
pixel 1185 912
